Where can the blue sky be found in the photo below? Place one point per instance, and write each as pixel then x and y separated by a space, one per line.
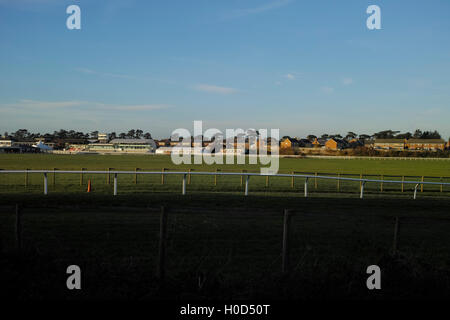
pixel 300 66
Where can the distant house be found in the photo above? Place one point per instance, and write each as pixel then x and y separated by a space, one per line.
pixel 305 143
pixel 425 144
pixel 355 143
pixel 389 144
pixel 336 144
pixel 319 142
pixel 288 143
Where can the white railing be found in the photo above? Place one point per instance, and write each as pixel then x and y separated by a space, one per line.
pixel 363 181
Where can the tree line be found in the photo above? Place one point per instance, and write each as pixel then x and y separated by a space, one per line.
pixel 386 134
pixel 25 135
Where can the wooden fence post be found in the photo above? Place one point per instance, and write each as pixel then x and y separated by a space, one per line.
pixel 242 177
pixel 135 175
pixel 441 183
pixel 395 242
pixel 403 182
pixel 286 243
pixel 381 185
pixel 161 272
pixel 162 175
pixel 18 227
pixel 315 181
pixel 26 177
pixel 292 180
pixel 338 183
pixel 421 185
pixel 189 176
pixel 267 181
pixel 81 177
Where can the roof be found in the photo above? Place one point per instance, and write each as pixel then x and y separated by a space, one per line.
pixel 135 141
pixel 389 141
pixel 426 141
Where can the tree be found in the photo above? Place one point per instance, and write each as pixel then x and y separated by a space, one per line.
pixel 417 134
pixel 122 135
pixel 139 133
pixel 350 135
pixel 311 137
pixel 406 135
pixel 112 135
pixel 131 133
pixel 430 135
pixel 364 137
pixel 94 134
pixel 147 135
pixel 386 134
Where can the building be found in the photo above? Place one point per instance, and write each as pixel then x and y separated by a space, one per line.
pixel 117 146
pixel 389 144
pixel 289 143
pixel 319 142
pixel 425 144
pixel 103 137
pixel 6 143
pixel 336 144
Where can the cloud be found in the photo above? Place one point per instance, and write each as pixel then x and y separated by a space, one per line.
pixel 214 89
pixel 290 76
pixel 105 74
pixel 327 90
pixel 36 105
pixel 346 81
pixel 256 10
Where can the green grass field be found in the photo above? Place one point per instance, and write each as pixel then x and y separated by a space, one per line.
pixel 412 170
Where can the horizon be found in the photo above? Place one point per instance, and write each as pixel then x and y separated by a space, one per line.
pixel 395 133
pixel 305 68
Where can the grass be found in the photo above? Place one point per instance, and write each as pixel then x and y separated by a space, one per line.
pixel 413 170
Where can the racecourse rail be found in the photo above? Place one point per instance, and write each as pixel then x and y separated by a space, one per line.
pixel 247 175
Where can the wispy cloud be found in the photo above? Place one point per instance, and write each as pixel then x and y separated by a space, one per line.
pixel 256 10
pixel 346 81
pixel 41 106
pixel 214 89
pixel 327 90
pixel 289 76
pixel 105 74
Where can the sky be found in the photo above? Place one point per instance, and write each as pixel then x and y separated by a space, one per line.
pixel 304 67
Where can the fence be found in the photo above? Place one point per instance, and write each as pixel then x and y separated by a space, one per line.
pixel 286 233
pixel 186 178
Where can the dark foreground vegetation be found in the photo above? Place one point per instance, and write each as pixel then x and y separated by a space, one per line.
pixel 223 247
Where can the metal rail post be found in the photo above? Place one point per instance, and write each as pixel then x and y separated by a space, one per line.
pixel 306 187
pixel 45 184
pixel 183 190
pixel 246 184
pixel 362 189
pixel 115 184
pixel 415 191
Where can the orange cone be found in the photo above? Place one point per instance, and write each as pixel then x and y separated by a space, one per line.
pixel 89 186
